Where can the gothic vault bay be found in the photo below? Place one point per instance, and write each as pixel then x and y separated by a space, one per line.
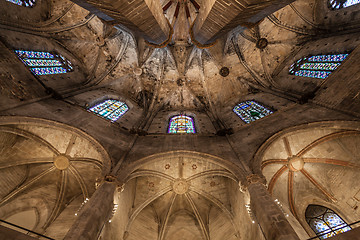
pixel 179 119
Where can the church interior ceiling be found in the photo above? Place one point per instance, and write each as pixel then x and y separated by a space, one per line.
pixel 55 152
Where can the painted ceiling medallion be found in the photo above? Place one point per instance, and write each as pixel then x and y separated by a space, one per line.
pixel 61 162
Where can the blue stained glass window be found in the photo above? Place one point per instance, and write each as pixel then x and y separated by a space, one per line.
pixel 250 111
pixel 181 124
pixel 318 66
pixel 25 3
pixel 44 63
pixel 325 222
pixel 110 109
pixel 337 4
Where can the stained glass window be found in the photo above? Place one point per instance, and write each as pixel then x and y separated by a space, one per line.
pixel 250 111
pixel 181 124
pixel 325 222
pixel 337 4
pixel 25 3
pixel 318 66
pixel 110 109
pixel 44 63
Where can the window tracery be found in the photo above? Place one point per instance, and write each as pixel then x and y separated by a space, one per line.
pixel 110 109
pixel 250 111
pixel 325 222
pixel 317 66
pixel 44 63
pixel 24 3
pixel 338 4
pixel 181 124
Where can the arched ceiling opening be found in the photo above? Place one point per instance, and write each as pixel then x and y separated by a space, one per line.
pixel 47 159
pixel 314 164
pixel 179 196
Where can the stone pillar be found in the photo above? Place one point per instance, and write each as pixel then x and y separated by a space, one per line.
pixel 94 214
pixel 271 219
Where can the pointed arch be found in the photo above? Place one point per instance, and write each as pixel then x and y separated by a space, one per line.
pixel 325 222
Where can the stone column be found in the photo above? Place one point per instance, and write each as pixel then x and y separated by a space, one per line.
pixel 95 213
pixel 271 219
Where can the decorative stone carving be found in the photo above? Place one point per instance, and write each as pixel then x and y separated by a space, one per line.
pixel 224 71
pixel 120 188
pixel 262 43
pixel 137 71
pixel 295 163
pixel 180 186
pixel 254 178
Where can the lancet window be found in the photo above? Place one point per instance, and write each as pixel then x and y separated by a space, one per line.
pixel 317 66
pixel 181 124
pixel 110 109
pixel 44 63
pixel 250 111
pixel 325 222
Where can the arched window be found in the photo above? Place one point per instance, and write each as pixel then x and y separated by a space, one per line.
pixel 110 109
pixel 250 111
pixel 44 63
pixel 318 66
pixel 325 222
pixel 25 3
pixel 181 124
pixel 337 4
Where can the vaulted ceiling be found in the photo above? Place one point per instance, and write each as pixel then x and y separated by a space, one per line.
pixel 44 170
pixel 49 170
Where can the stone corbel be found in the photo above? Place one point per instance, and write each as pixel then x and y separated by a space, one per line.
pixel 250 179
pixel 255 178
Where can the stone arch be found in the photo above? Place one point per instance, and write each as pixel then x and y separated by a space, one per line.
pixel 179 179
pixel 307 164
pixel 11 120
pixel 61 162
pixel 236 170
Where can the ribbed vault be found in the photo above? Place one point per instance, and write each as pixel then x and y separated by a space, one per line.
pixel 180 197
pixel 313 165
pixel 50 161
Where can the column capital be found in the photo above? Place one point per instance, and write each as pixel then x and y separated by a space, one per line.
pixel 255 178
pixel 251 179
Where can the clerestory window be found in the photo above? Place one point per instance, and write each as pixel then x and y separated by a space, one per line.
pixel 44 63
pixel 338 4
pixel 110 109
pixel 317 66
pixel 250 111
pixel 181 124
